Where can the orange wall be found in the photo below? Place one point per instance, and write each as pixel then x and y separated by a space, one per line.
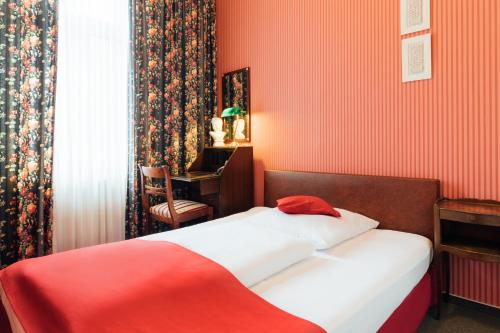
pixel 327 95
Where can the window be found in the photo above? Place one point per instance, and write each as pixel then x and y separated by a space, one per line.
pixel 91 122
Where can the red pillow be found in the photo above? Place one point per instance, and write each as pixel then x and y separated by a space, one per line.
pixel 306 204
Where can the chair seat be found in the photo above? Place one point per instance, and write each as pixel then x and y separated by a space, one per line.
pixel 180 206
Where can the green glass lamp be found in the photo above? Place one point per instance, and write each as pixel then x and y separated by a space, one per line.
pixel 230 112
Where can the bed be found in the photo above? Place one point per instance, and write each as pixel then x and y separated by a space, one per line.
pixel 377 281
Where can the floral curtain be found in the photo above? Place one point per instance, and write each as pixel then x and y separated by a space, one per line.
pixel 28 34
pixel 174 88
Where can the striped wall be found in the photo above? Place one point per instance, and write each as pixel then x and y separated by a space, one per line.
pixel 327 96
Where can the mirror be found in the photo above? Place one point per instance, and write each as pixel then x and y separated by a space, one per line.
pixel 236 93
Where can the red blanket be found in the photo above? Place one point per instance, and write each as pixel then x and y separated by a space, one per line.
pixel 138 286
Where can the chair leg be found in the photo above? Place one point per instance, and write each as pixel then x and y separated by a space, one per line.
pixel 210 214
pixel 147 225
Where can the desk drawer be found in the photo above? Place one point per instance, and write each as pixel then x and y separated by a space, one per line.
pixel 209 186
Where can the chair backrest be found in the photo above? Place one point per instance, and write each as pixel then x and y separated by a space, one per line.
pixel 151 190
pixel 158 173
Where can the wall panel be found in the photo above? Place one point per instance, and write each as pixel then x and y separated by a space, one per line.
pixel 327 96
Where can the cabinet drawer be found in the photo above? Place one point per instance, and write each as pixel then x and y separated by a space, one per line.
pixel 469 218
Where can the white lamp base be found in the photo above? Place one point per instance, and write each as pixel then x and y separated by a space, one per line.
pixel 218 138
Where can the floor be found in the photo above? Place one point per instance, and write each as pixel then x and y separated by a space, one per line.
pixel 462 318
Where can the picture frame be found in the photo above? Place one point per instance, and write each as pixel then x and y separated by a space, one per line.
pixel 417 58
pixel 415 16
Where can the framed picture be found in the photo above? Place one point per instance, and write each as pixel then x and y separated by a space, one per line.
pixel 415 16
pixel 417 58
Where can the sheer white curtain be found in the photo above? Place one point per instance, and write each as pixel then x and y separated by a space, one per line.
pixel 90 148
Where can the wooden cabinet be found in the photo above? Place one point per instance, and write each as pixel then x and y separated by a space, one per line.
pixel 466 228
pixel 220 177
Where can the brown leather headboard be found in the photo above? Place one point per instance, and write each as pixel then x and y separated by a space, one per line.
pixel 403 204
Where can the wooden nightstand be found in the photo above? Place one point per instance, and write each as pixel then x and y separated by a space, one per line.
pixel 465 228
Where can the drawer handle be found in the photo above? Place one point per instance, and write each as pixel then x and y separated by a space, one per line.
pixel 471 218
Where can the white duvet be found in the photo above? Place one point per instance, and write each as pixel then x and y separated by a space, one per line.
pixel 250 252
pixel 352 287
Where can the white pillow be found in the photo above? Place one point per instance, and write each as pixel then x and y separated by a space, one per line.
pixel 323 231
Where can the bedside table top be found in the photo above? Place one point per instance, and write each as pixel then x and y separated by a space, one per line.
pixel 471 206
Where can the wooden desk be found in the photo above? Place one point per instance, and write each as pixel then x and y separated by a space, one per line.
pixel 196 176
pixel 228 191
pixel 465 228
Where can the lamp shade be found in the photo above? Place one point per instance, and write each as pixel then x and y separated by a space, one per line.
pixel 229 112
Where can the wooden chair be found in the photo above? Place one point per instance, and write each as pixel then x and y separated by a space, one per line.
pixel 172 212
